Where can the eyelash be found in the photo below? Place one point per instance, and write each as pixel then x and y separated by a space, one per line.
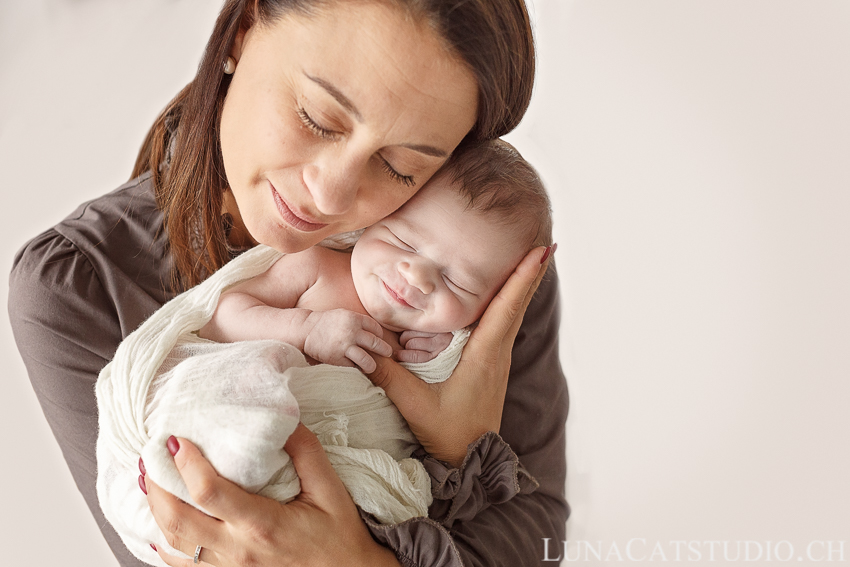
pixel 314 127
pixel 324 133
pixel 406 180
pixel 453 284
pixel 403 243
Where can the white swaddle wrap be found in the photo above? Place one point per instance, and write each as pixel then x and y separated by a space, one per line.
pixel 239 402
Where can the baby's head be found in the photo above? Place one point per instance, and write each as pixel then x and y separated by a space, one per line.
pixel 435 264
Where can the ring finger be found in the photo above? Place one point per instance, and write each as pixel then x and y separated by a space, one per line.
pixel 183 525
pixel 201 554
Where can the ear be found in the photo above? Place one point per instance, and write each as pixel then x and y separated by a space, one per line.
pixel 236 49
pixel 249 17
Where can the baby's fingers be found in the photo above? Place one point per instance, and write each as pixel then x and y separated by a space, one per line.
pixel 407 335
pixel 370 342
pixel 370 325
pixel 434 344
pixel 414 356
pixel 361 358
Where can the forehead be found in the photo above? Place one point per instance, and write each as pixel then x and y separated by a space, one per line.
pixel 394 68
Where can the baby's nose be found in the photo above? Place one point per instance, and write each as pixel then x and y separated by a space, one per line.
pixel 418 275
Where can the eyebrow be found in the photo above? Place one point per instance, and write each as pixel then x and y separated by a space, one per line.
pixel 337 94
pixel 346 103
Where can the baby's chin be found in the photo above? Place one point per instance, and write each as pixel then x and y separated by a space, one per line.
pixel 393 326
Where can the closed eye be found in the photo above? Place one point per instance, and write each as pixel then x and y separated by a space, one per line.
pixel 407 180
pixel 314 126
pixel 402 242
pixel 451 283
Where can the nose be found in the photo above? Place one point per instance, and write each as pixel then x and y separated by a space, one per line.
pixel 334 192
pixel 418 274
pixel 335 177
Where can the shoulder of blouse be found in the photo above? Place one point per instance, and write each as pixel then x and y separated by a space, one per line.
pixel 114 244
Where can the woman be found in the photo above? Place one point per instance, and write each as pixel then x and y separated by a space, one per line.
pixel 307 119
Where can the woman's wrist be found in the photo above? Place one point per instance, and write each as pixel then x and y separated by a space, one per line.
pixel 381 556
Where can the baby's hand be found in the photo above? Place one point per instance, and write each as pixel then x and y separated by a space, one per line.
pixel 421 347
pixel 342 337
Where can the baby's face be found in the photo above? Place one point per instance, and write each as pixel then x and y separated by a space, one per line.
pixel 432 266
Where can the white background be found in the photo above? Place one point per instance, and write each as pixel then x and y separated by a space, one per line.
pixel 697 156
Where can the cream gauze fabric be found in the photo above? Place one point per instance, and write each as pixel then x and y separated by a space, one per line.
pixel 239 402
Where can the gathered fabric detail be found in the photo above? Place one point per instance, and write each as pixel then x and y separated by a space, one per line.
pixel 490 474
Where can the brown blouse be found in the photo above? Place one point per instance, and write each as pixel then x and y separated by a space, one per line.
pixel 79 288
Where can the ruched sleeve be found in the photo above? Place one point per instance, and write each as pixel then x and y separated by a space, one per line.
pixel 508 495
pixel 66 330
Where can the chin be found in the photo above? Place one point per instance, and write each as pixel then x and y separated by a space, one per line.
pixel 287 242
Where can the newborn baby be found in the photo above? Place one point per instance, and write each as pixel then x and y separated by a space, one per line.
pixel 428 269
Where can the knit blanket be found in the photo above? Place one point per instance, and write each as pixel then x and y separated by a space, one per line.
pixel 239 402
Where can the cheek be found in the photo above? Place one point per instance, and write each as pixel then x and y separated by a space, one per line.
pixel 260 134
pixel 366 256
pixel 453 314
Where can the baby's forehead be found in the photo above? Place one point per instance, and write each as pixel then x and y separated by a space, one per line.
pixel 421 213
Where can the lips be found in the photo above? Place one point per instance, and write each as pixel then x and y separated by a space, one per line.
pixel 395 296
pixel 297 220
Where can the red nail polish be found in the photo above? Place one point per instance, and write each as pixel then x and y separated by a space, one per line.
pixel 153 547
pixel 142 467
pixel 546 254
pixel 142 484
pixel 173 445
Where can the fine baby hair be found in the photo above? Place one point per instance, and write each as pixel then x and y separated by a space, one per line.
pixel 497 181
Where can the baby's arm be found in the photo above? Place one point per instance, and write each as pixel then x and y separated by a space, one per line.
pixel 264 307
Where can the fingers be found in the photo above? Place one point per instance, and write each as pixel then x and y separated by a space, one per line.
pixel 435 344
pixel 413 397
pixel 320 485
pixel 371 342
pixel 215 494
pixel 204 558
pixel 372 326
pixel 360 358
pixel 415 356
pixel 407 335
pixel 183 525
pixel 501 320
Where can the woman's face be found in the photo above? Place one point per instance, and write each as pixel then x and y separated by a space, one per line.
pixel 332 121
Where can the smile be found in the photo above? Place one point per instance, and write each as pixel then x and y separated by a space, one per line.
pixel 399 299
pixel 293 219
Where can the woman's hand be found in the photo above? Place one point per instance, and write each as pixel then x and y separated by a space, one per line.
pixel 320 527
pixel 447 417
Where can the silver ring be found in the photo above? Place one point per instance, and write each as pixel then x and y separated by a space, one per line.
pixel 198 554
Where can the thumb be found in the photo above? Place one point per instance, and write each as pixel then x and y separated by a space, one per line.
pixel 412 396
pixel 503 316
pixel 320 485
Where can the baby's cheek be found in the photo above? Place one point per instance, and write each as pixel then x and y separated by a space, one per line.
pixel 459 314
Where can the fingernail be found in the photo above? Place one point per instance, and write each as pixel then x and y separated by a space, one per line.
pixel 173 445
pixel 142 484
pixel 153 547
pixel 142 467
pixel 546 254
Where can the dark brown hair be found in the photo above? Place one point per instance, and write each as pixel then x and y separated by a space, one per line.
pixel 492 37
pixel 495 180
